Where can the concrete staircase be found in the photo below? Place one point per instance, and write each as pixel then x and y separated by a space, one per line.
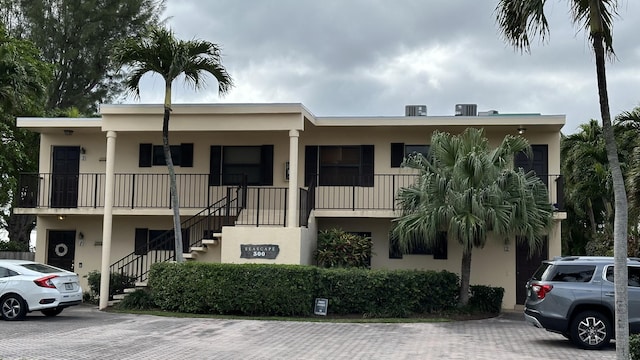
pixel 206 243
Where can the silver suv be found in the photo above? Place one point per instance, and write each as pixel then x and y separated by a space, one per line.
pixel 574 296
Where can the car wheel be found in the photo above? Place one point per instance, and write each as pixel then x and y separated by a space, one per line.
pixel 12 307
pixel 591 330
pixel 51 312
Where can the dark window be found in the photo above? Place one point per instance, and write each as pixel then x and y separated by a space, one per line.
pixel 572 273
pixel 4 272
pixel 153 155
pixel 634 275
pixel 400 151
pixel 231 164
pixel 340 165
pixel 147 240
pixel 158 155
pixel 438 250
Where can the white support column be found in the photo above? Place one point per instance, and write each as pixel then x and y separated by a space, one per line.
pixel 107 219
pixel 292 206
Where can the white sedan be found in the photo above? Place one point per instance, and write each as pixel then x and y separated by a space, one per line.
pixel 27 286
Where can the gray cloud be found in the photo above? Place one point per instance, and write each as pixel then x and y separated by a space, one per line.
pixel 372 57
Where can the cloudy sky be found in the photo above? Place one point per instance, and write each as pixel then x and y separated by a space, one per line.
pixel 373 57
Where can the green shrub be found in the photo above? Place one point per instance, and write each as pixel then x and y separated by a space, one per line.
pixel 138 300
pixel 634 347
pixel 337 248
pixel 244 289
pixel 13 246
pixel 117 283
pixel 289 290
pixel 486 299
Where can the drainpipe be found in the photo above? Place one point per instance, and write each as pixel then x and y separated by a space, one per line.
pixel 107 219
pixel 292 206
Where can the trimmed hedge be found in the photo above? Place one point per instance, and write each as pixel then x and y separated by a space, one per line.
pixel 634 347
pixel 247 289
pixel 486 299
pixel 290 290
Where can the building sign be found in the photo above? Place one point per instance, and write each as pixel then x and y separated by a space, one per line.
pixel 259 251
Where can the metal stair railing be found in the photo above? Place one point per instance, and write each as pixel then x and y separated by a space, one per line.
pixel 203 225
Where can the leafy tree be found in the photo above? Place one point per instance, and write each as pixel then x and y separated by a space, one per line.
pixel 78 37
pixel 521 20
pixel 160 52
pixel 23 88
pixel 471 193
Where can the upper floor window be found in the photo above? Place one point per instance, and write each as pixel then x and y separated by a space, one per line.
pixel 340 165
pixel 400 151
pixel 153 155
pixel 230 165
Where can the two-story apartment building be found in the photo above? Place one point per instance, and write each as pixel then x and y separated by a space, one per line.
pixel 256 184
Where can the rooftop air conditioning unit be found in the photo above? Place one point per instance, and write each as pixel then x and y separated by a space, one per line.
pixel 466 109
pixel 415 110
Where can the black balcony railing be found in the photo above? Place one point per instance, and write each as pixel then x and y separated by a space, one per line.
pixel 131 191
pixel 380 194
pixel 266 205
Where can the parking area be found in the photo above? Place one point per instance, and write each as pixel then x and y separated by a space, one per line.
pixel 83 332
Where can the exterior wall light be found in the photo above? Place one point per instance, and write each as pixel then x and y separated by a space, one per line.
pixel 521 130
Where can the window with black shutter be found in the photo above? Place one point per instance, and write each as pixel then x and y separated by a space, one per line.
pixel 230 165
pixel 344 165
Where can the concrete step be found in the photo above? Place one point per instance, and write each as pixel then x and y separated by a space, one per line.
pixel 190 256
pixel 212 242
pixel 199 249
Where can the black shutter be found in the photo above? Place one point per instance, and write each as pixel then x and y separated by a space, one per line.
pixel 144 157
pixel 366 171
pixel 215 161
pixel 141 241
pixel 186 241
pixel 266 165
pixel 310 164
pixel 440 250
pixel 186 155
pixel 394 247
pixel 397 154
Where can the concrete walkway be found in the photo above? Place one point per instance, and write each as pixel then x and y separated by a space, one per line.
pixel 83 332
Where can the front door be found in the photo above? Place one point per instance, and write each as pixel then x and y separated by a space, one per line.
pixel 64 178
pixel 526 265
pixel 61 249
pixel 538 162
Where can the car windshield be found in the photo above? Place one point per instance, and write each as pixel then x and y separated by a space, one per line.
pixel 41 268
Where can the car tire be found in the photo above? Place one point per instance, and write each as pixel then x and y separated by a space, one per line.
pixel 13 307
pixel 51 312
pixel 591 330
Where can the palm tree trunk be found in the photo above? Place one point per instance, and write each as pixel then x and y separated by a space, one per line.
pixel 465 275
pixel 592 216
pixel 621 217
pixel 175 200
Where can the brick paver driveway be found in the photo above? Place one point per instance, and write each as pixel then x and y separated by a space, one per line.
pixel 84 332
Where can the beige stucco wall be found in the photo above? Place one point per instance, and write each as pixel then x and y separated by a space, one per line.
pixel 295 244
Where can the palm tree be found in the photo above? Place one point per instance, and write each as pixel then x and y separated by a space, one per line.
pixel 520 20
pixel 471 193
pixel 160 52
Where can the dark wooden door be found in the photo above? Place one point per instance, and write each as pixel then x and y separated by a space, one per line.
pixel 526 265
pixel 64 178
pixel 61 249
